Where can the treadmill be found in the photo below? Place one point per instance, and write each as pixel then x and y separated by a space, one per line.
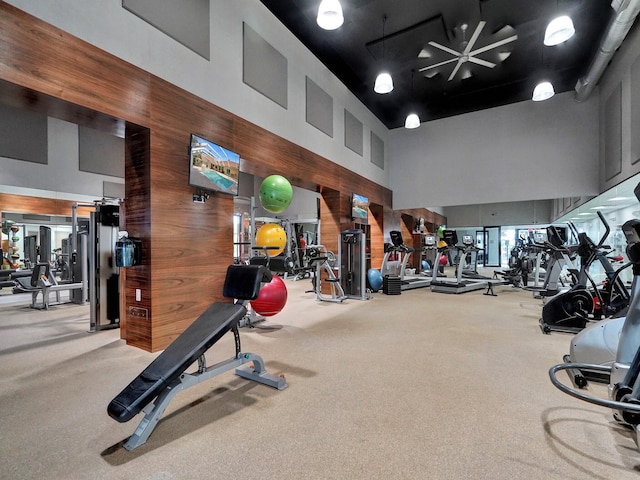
pixel 458 284
pixel 470 250
pixel 407 282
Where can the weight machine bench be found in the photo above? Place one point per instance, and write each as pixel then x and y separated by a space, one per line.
pixel 319 258
pixel 41 281
pixel 165 376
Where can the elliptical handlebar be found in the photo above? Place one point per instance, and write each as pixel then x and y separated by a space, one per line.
pixel 607 229
pixel 574 231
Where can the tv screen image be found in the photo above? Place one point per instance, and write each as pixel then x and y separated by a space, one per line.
pixel 359 207
pixel 213 167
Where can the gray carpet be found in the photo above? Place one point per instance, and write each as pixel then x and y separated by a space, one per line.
pixel 421 385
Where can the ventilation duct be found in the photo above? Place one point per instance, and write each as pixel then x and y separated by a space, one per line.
pixel 619 26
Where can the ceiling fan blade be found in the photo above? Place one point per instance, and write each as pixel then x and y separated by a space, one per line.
pixel 506 30
pixel 484 63
pixel 494 45
pixel 446 49
pixel 455 70
pixel 437 65
pixel 474 37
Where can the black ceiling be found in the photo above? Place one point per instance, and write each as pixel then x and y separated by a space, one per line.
pixel 354 52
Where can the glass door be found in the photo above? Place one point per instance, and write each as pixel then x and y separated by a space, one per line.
pixel 491 246
pixel 480 244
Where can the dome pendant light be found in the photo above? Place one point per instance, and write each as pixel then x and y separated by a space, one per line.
pixel 384 82
pixel 559 30
pixel 543 91
pixel 330 14
pixel 412 120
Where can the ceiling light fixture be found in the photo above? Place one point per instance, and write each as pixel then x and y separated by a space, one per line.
pixel 543 91
pixel 384 82
pixel 559 30
pixel 412 120
pixel 330 14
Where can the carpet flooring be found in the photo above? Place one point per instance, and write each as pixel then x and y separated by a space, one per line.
pixel 420 385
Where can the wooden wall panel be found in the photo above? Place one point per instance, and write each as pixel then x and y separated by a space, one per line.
pixel 186 246
pixel 45 59
pixel 195 240
pixel 330 218
pixel 45 206
pixel 135 326
pixel 376 221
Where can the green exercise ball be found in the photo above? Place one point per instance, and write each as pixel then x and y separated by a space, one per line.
pixel 275 193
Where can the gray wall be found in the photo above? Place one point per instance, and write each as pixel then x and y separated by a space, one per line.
pixel 66 174
pixel 620 114
pixel 524 151
pixel 536 212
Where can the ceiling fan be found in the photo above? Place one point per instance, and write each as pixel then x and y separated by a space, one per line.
pixel 467 54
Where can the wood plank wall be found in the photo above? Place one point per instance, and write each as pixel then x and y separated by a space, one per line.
pixel 187 246
pixel 45 206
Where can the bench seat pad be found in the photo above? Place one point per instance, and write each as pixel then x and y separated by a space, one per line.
pixel 206 330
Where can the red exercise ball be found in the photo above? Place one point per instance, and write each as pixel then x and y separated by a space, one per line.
pixel 271 299
pixel 443 260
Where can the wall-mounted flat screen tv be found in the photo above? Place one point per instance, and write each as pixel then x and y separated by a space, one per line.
pixel 359 208
pixel 212 167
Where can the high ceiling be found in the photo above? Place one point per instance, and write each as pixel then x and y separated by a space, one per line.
pixel 504 72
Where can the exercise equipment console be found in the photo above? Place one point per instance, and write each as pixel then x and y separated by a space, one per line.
pixel 165 376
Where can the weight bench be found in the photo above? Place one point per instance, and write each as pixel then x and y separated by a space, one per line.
pixel 41 281
pixel 165 376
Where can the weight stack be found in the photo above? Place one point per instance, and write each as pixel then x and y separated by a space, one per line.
pixel 391 285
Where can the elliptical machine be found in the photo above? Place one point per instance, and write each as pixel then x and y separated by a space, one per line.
pixel 571 311
pixel 622 375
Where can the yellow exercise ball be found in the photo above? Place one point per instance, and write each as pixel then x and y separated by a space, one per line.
pixel 271 235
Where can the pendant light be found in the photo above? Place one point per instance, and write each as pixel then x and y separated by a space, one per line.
pixel 543 91
pixel 330 14
pixel 412 120
pixel 384 82
pixel 559 30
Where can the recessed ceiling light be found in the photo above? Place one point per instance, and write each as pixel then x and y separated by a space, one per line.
pixel 602 207
pixel 619 199
pixel 585 213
